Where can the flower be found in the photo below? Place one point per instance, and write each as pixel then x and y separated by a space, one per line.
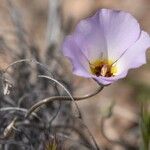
pixel 105 46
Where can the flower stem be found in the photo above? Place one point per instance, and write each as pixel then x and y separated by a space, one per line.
pixel 61 98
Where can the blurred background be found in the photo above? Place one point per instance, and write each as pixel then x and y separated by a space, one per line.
pixel 44 25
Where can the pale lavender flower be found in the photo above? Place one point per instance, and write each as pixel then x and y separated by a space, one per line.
pixel 105 46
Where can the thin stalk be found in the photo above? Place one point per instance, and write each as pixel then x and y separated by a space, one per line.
pixel 61 98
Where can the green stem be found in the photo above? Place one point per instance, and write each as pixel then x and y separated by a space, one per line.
pixel 145 127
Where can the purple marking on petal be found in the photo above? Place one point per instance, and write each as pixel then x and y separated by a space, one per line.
pixel 109 80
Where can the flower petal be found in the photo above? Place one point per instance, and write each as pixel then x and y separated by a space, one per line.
pixel 90 38
pixel 111 35
pixel 109 80
pixel 135 55
pixel 78 60
pixel 132 58
pixel 121 31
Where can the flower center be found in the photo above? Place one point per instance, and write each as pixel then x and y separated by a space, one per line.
pixel 103 68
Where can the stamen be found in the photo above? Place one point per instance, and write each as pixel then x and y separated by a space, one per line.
pixel 103 68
